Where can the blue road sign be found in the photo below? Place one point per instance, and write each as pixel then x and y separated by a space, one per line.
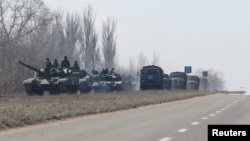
pixel 188 69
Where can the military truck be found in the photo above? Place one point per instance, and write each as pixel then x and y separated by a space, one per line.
pixel 193 82
pixel 151 77
pixel 178 80
pixel 58 81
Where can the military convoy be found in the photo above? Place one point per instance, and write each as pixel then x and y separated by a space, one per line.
pixel 153 77
pixel 79 81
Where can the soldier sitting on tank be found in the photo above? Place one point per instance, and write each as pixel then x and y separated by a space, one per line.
pixel 55 64
pixel 112 72
pixel 47 67
pixel 75 66
pixel 65 63
pixel 106 71
pixel 102 72
pixel 95 72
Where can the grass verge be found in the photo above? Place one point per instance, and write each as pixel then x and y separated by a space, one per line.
pixel 22 110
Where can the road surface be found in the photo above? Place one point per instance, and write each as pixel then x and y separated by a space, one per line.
pixel 185 120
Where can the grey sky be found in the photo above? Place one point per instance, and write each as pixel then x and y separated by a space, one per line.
pixel 208 34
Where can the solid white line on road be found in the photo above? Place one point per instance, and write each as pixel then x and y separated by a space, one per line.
pixel 212 115
pixel 204 118
pixel 182 130
pixel 166 139
pixel 195 123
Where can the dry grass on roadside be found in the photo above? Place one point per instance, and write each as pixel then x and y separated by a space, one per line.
pixel 16 111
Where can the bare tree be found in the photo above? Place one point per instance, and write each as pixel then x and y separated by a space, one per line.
pixel 21 17
pixel 109 43
pixel 132 69
pixel 215 79
pixel 18 19
pixel 155 60
pixel 72 34
pixel 90 52
pixel 142 61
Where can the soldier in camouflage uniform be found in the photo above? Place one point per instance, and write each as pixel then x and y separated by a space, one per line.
pixel 65 63
pixel 55 64
pixel 75 66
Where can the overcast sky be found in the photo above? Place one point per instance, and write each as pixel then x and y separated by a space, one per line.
pixel 204 34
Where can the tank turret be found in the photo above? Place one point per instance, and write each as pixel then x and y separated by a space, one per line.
pixel 106 81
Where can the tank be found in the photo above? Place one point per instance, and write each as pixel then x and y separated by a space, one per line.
pixel 58 81
pixel 106 82
pixel 151 77
pixel 178 80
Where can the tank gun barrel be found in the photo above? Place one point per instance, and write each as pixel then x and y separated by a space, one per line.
pixel 87 73
pixel 30 67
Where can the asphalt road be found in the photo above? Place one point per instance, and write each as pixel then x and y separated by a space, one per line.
pixel 185 120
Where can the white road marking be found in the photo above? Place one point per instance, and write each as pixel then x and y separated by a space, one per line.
pixel 218 111
pixel 195 123
pixel 166 139
pixel 212 115
pixel 204 118
pixel 236 101
pixel 222 109
pixel 182 130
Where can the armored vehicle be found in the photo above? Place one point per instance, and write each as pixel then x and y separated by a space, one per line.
pixel 178 80
pixel 75 81
pixel 151 77
pixel 58 81
pixel 106 82
pixel 193 82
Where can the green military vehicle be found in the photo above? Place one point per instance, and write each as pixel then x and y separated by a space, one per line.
pixel 106 82
pixel 178 80
pixel 151 77
pixel 57 81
